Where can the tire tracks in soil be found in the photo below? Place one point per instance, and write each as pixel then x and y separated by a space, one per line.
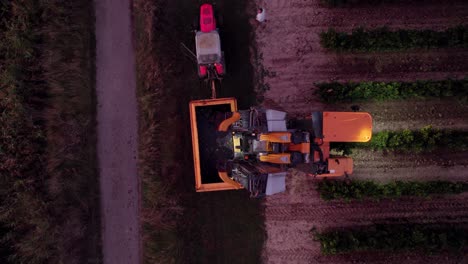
pixel 300 256
pixel 443 165
pixel 289 226
pixel 292 66
pixel 343 214
pixel 304 62
pixel 291 215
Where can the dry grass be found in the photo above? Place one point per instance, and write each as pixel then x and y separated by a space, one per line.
pixel 49 184
pixel 179 225
pixel 159 211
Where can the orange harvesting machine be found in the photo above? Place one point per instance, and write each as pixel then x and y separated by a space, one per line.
pixel 253 148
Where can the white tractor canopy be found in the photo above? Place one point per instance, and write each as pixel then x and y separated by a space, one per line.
pixel 276 183
pixel 208 46
pixel 276 120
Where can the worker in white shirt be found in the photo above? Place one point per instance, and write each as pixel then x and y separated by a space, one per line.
pixel 261 15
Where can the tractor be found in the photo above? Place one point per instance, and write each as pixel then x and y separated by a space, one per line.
pixel 209 56
pixel 253 148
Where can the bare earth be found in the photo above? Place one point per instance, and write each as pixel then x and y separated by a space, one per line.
pixel 291 215
pixel 290 60
pixel 383 167
pixel 296 62
pixel 117 133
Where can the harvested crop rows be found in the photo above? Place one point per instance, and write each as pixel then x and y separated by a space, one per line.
pixel 298 60
pixel 290 67
pixel 338 214
pixel 291 215
pixel 445 166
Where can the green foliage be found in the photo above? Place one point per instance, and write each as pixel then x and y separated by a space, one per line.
pixel 355 189
pixel 426 139
pixel 429 238
pixel 346 149
pixel 384 39
pixel 382 91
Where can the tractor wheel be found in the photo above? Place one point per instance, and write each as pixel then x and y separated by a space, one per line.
pixel 298 137
pixel 315 168
pixel 245 119
pixel 296 158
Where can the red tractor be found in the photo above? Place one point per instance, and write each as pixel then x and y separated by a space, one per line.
pixel 209 56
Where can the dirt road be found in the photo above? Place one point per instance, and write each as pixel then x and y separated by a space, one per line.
pixel 117 132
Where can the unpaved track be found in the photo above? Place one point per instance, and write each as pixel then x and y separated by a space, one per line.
pixel 117 132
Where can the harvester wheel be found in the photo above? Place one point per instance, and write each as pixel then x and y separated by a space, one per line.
pixel 298 137
pixel 296 158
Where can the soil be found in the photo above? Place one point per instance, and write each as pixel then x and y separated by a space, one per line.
pixel 117 133
pixel 291 66
pixel 291 215
pixel 442 165
pixel 290 60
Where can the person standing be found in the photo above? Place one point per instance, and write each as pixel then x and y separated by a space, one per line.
pixel 261 17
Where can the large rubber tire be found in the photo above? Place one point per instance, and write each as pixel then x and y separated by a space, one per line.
pixel 245 119
pixel 296 158
pixel 297 137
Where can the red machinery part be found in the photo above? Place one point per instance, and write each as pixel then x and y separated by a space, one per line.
pixel 207 19
pixel 202 70
pixel 219 68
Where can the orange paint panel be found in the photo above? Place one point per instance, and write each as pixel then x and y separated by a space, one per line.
pixel 347 126
pixel 337 167
pixel 340 165
pixel 276 137
pixel 325 147
pixel 199 186
pixel 210 187
pixel 302 147
pixel 224 176
pixel 280 158
pixel 228 122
